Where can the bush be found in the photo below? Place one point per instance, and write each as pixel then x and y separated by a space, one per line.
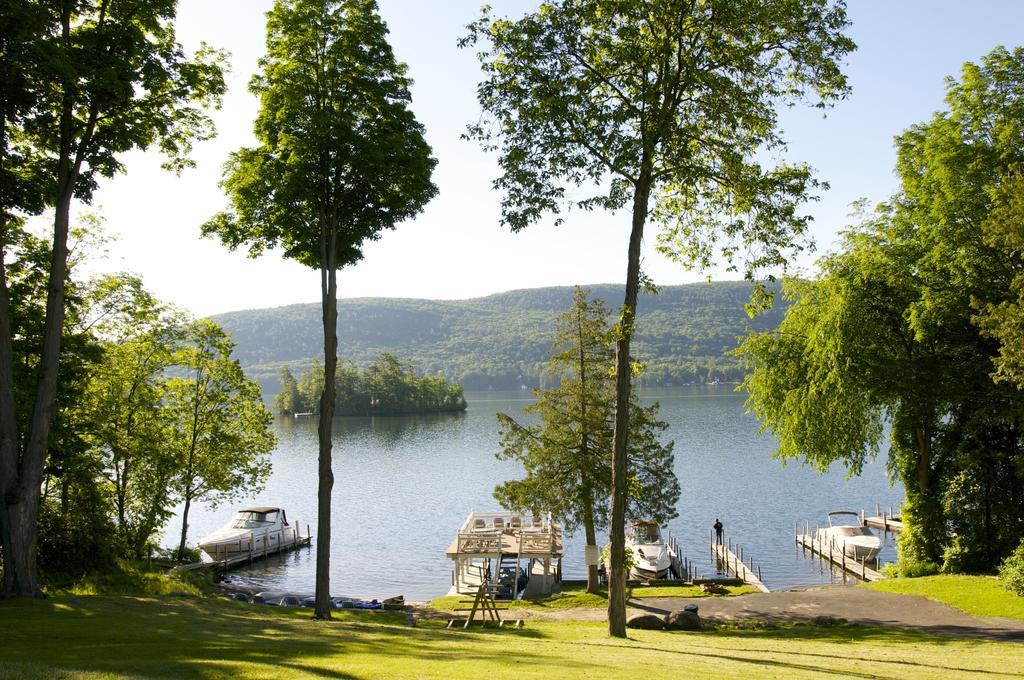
pixel 1011 572
pixel 911 568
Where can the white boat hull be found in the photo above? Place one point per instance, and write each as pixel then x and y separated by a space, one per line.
pixel 859 548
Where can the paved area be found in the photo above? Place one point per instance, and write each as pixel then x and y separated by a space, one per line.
pixel 855 605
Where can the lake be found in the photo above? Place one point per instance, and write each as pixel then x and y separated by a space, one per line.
pixel 403 486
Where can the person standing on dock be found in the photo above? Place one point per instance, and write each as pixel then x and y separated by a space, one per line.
pixel 718 530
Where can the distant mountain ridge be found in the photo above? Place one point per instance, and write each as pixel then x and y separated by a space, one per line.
pixel 503 340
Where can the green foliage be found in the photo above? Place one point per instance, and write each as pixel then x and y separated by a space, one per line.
pixel 1011 571
pixel 340 155
pixel 1003 232
pixel 567 454
pixel 387 387
pixel 287 400
pixel 683 335
pixel 668 102
pixel 890 332
pixel 126 431
pixel 74 521
pixel 219 428
pixel 81 83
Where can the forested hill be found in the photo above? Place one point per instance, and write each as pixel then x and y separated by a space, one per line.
pixel 502 341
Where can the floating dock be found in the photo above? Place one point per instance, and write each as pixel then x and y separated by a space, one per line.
pixel 733 562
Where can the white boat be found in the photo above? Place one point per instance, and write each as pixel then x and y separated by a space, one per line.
pixel 253 531
pixel 650 552
pixel 855 540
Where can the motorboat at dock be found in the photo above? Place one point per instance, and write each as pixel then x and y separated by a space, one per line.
pixel 253 532
pixel 855 540
pixel 651 559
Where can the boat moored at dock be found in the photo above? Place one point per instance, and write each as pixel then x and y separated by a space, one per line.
pixel 252 531
pixel 853 539
pixel 651 559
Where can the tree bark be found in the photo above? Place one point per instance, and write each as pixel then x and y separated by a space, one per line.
pixel 8 418
pixel 591 535
pixel 184 526
pixel 329 291
pixel 623 387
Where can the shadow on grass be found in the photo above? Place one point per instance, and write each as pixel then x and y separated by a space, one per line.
pixel 192 637
pixel 696 645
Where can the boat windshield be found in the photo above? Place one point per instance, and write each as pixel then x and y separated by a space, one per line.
pixel 852 531
pixel 646 533
pixel 250 520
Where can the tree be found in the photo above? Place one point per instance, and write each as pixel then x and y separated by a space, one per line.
pixel 123 417
pixel 566 455
pixel 902 326
pixel 102 77
pixel 1003 320
pixel 218 424
pixel 288 400
pixel 663 106
pixel 75 528
pixel 341 158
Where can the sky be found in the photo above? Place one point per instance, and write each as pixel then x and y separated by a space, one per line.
pixel 457 247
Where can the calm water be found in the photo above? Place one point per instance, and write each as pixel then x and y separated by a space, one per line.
pixel 404 485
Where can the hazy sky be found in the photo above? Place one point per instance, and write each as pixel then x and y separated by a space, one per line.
pixel 456 248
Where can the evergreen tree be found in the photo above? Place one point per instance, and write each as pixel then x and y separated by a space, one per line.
pixel 567 455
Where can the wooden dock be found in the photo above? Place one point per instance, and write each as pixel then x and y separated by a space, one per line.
pixel 733 562
pixel 835 555
pixel 886 521
pixel 681 567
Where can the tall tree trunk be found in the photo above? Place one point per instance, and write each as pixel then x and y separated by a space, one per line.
pixel 623 386
pixel 329 290
pixel 184 525
pixel 591 535
pixel 22 497
pixel 8 418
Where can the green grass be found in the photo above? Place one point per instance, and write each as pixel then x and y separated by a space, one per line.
pixel 686 591
pixel 573 596
pixel 187 637
pixel 138 578
pixel 977 595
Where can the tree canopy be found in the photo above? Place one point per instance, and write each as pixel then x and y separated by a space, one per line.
pixel 83 81
pixel 904 327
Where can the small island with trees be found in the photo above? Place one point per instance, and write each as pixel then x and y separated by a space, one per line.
pixel 387 387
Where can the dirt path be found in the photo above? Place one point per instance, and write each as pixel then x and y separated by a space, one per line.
pixel 855 605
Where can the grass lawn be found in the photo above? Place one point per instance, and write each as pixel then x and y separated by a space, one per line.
pixel 977 595
pixel 686 591
pixel 114 636
pixel 573 596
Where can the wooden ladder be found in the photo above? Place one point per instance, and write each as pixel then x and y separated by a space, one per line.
pixel 484 603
